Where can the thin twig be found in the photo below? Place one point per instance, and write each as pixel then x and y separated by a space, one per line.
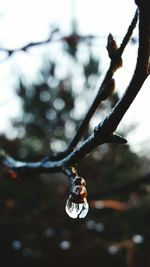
pixel 25 47
pixel 99 97
pixel 141 72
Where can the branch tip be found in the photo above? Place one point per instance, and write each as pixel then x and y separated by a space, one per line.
pixel 116 139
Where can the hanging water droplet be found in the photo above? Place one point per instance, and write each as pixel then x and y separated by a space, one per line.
pixel 79 181
pixel 77 210
pixel 78 193
pixel 77 206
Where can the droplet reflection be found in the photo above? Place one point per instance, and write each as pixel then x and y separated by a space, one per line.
pixel 77 210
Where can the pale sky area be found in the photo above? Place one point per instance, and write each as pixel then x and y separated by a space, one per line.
pixel 23 21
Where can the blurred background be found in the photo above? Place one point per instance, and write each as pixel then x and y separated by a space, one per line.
pixel 45 91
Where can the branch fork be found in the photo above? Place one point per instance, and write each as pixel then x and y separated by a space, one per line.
pixel 104 132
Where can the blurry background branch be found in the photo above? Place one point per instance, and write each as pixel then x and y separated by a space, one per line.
pixel 29 45
pixel 136 186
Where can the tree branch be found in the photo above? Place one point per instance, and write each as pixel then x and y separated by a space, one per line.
pixel 25 47
pixel 111 122
pixel 103 133
pixel 107 80
pixel 106 128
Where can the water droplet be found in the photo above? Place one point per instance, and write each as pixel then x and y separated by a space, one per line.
pixel 79 193
pixel 79 181
pixel 77 210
